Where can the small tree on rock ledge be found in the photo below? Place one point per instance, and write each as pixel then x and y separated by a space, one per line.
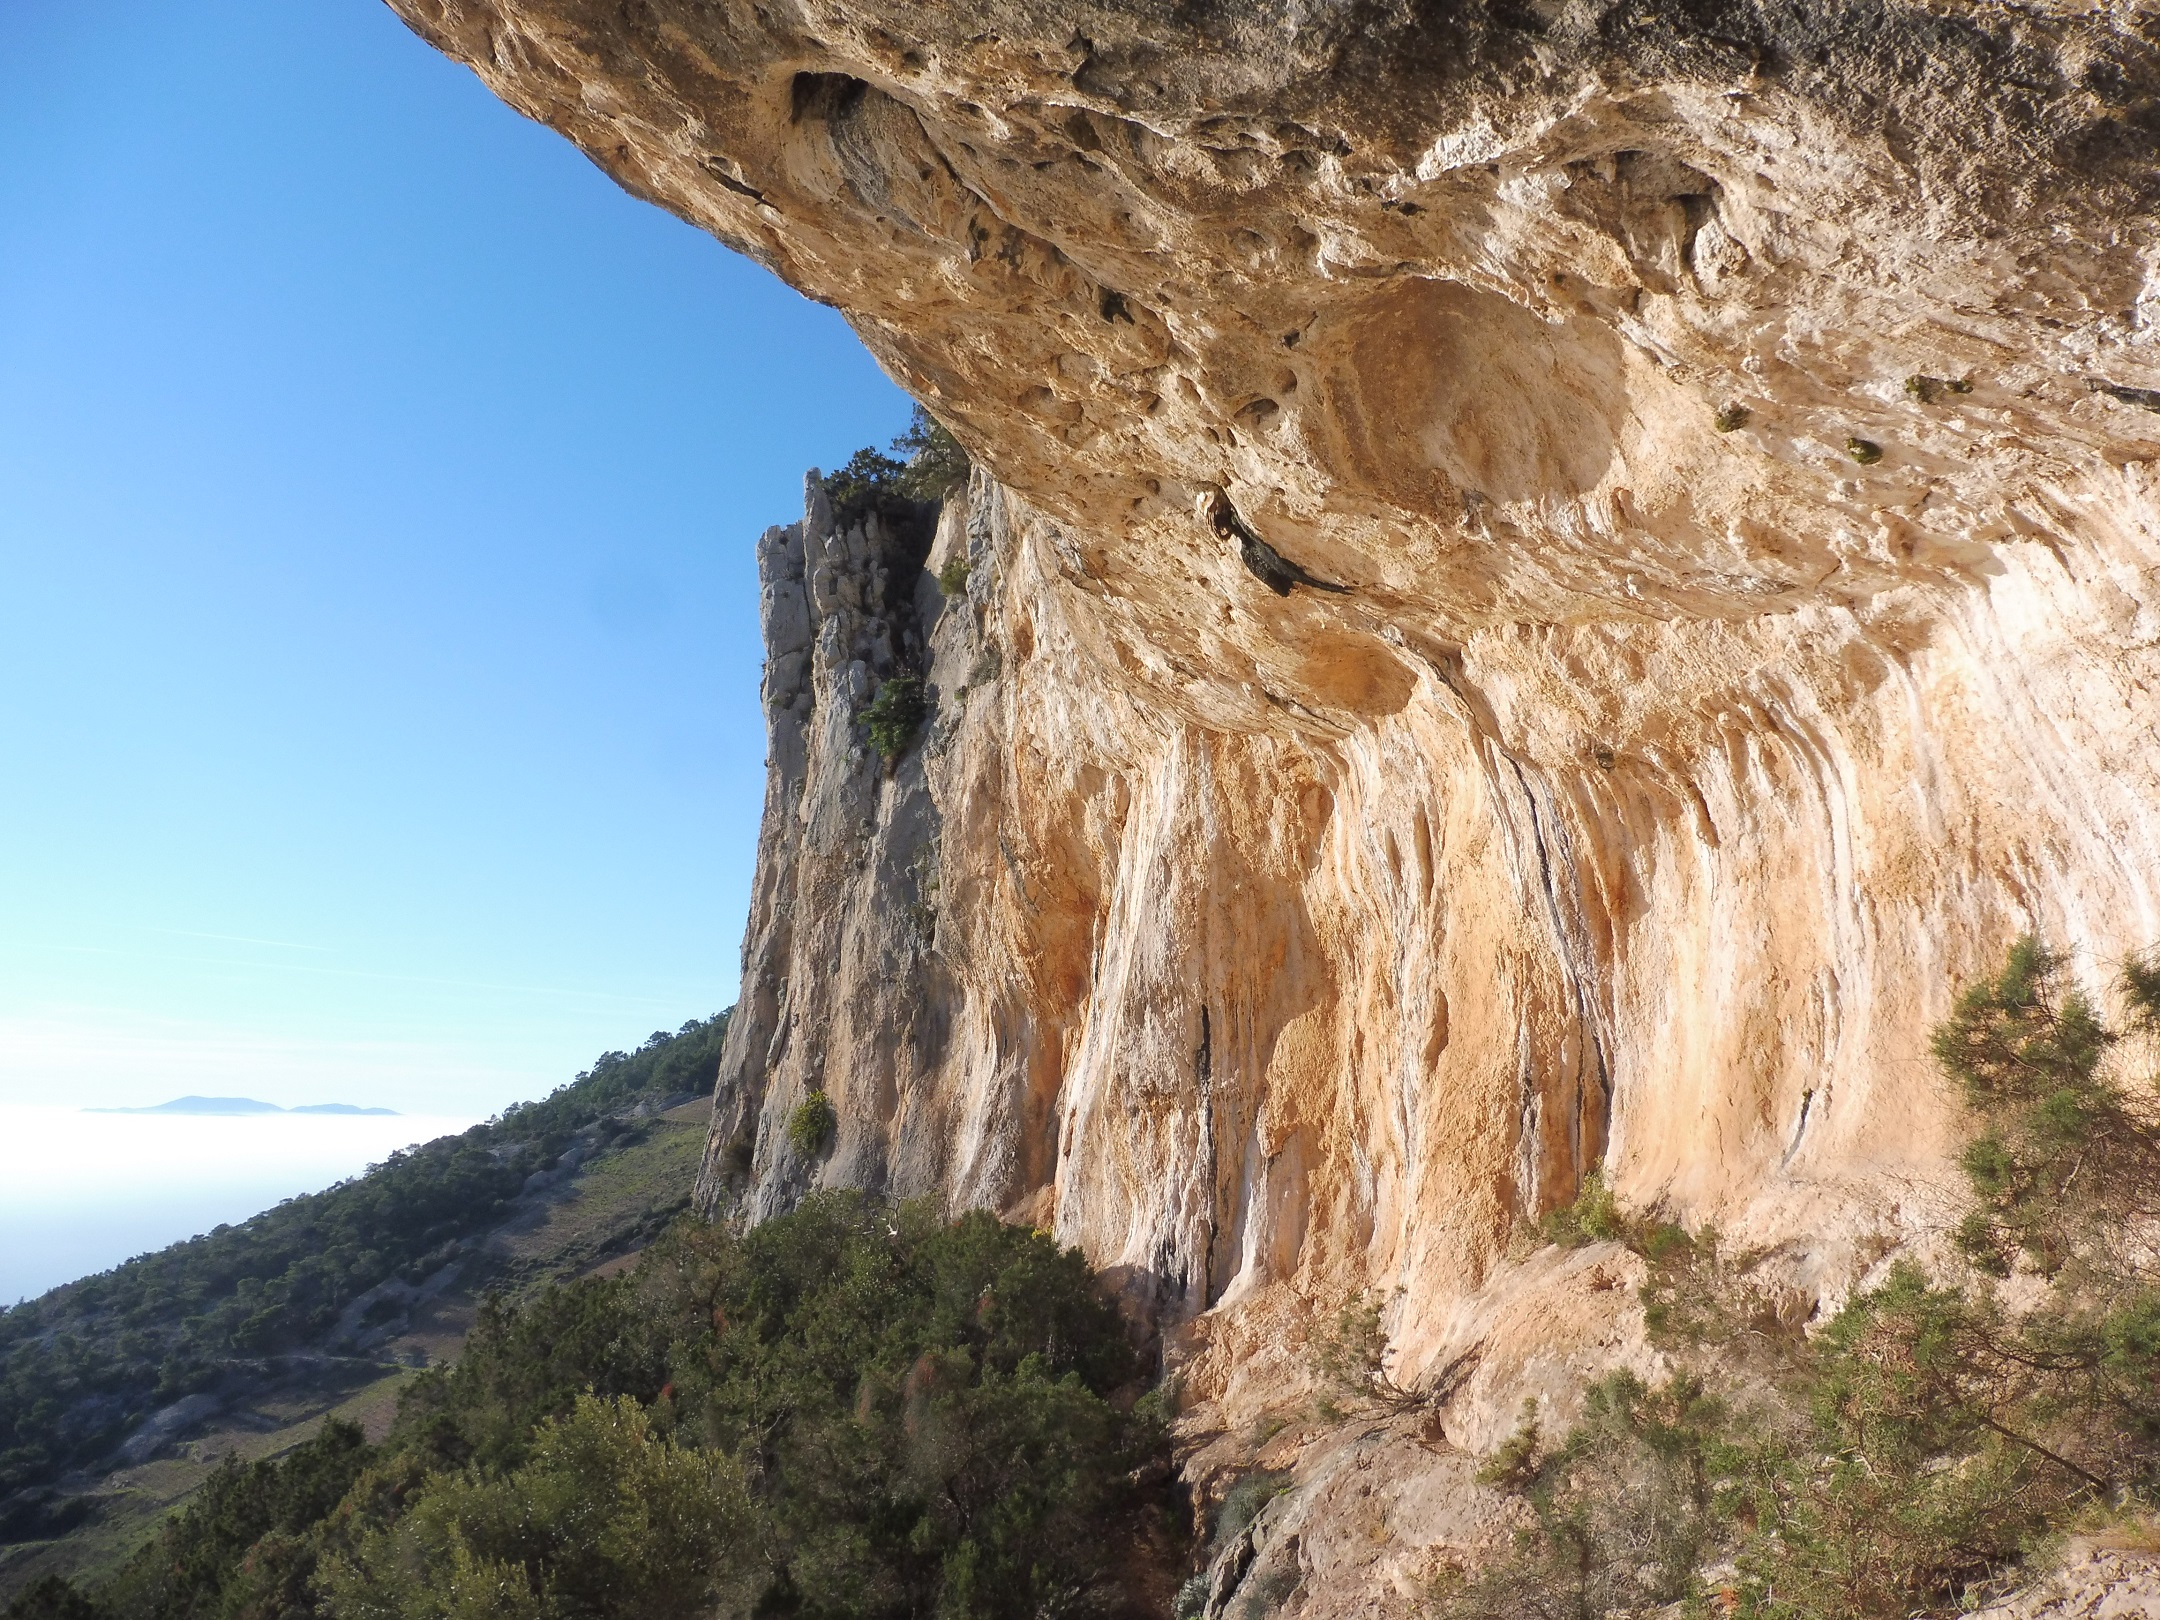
pixel 811 1125
pixel 895 715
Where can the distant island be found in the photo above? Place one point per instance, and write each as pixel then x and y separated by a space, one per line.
pixel 239 1105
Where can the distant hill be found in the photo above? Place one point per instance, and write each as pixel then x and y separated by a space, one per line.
pixel 240 1105
pixel 245 1337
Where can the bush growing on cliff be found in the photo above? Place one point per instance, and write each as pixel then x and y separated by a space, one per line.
pixel 1594 1217
pixel 1244 1502
pixel 927 464
pixel 1959 1426
pixel 2067 1159
pixel 1349 1355
pixel 1624 1511
pixel 1938 1430
pixel 870 481
pixel 935 463
pixel 895 715
pixel 810 1125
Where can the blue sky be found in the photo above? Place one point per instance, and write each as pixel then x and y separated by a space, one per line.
pixel 378 641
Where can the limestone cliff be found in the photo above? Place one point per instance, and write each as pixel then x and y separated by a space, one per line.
pixel 1738 430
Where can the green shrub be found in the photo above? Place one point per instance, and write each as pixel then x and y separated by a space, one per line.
pixel 1624 1511
pixel 811 1124
pixel 936 464
pixel 868 482
pixel 1245 1502
pixel 924 1408
pixel 1350 1356
pixel 952 579
pixel 606 1519
pixel 738 1158
pixel 2065 1156
pixel 895 715
pixel 523 1365
pixel 1594 1217
pixel 1514 1463
pixel 1911 1482
pixel 54 1597
pixel 928 464
pixel 1953 1434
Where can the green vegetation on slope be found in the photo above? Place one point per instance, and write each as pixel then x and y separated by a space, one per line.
pixel 81 1367
pixel 1944 1428
pixel 855 1410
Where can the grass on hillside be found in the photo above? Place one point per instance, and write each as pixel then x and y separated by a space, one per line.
pixel 618 1203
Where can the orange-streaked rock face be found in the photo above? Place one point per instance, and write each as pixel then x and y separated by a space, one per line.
pixel 1740 441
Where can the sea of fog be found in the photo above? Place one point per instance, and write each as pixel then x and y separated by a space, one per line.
pixel 80 1192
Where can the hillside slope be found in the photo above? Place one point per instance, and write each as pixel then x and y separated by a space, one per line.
pixel 119 1393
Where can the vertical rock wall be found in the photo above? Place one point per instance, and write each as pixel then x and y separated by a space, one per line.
pixel 1243 1012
